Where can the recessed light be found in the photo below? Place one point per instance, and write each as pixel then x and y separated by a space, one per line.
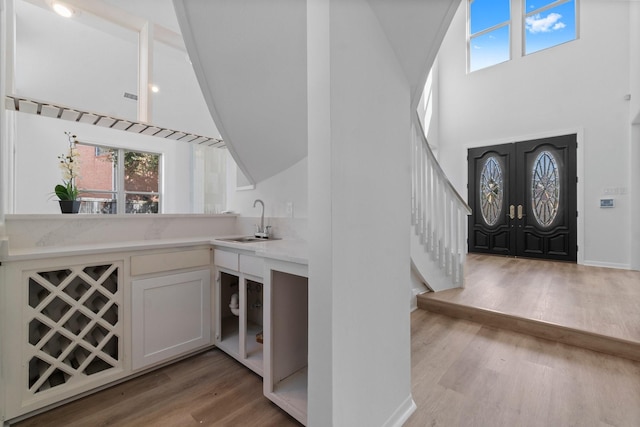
pixel 155 89
pixel 62 10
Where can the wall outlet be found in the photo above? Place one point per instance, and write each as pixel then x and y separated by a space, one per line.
pixel 289 209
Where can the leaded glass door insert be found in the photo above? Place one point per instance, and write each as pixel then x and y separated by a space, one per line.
pixel 545 189
pixel 491 190
pixel 523 197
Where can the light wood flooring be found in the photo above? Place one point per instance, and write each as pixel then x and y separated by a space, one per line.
pixel 467 374
pixel 208 389
pixel 464 373
pixel 588 302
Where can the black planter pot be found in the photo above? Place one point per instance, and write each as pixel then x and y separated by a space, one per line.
pixel 69 206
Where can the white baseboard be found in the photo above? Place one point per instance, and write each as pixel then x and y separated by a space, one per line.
pixel 402 414
pixel 607 265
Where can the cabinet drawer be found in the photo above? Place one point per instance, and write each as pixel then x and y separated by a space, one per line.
pixel 225 259
pixel 251 265
pixel 156 263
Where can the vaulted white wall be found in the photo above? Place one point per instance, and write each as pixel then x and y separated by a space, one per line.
pixel 578 87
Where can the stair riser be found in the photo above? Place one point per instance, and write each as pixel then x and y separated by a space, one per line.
pixel 541 329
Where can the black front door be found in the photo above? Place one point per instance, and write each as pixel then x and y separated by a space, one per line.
pixel 523 197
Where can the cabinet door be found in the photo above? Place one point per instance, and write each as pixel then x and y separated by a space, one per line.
pixel 171 315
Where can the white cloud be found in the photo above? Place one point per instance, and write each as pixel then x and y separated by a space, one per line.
pixel 536 24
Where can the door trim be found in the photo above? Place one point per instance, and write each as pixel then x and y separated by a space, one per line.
pixel 579 132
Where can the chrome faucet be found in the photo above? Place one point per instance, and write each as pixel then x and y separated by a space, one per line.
pixel 262 231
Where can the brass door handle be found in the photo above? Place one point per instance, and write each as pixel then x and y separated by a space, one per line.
pixel 512 212
pixel 520 214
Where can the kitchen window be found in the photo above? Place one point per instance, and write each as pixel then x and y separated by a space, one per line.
pixel 116 180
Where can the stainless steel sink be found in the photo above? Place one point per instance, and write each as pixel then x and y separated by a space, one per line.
pixel 246 239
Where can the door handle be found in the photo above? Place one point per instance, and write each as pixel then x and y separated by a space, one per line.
pixel 512 212
pixel 520 214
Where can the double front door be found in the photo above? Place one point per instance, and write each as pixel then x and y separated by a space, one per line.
pixel 523 197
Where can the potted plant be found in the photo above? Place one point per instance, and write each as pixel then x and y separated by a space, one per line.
pixel 68 192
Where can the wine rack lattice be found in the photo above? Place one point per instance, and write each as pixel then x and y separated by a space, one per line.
pixel 74 325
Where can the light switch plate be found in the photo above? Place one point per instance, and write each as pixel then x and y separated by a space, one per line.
pixel 606 203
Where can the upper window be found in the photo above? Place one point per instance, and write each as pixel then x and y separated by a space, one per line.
pixel 489 27
pixel 548 23
pixel 544 24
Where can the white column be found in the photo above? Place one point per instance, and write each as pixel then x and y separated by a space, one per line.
pixel 321 326
pixel 145 72
pixel 359 220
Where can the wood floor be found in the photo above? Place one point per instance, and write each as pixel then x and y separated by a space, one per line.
pixel 467 374
pixel 208 389
pixel 598 308
pixel 464 373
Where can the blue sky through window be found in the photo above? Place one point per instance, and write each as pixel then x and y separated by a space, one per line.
pixel 488 13
pixel 493 46
pixel 489 49
pixel 551 27
pixel 546 23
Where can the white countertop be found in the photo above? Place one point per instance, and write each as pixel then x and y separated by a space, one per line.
pixel 290 250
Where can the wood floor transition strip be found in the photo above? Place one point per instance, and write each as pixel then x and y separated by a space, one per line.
pixel 539 328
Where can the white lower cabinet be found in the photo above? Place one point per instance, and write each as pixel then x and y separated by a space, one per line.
pixel 239 310
pixel 171 316
pixel 262 308
pixel 62 329
pixel 72 325
pixel 286 336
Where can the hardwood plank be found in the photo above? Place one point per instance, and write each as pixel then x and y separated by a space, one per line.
pixel 596 300
pixel 464 374
pixel 538 328
pixel 205 389
pixel 498 378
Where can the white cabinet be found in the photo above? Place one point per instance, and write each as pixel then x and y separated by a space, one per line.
pixel 72 324
pixel 171 316
pixel 239 307
pixel 62 328
pixel 286 336
pixel 171 304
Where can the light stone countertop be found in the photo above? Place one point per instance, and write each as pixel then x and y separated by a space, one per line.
pixel 290 250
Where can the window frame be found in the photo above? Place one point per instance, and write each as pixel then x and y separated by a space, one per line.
pixel 120 193
pixel 542 9
pixel 470 37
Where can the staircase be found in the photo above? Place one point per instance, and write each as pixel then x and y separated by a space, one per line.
pixel 438 218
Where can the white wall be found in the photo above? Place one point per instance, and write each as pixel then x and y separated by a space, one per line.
pixel 88 63
pixel 288 187
pixel 68 62
pixel 359 222
pixel 634 158
pixel 578 87
pixel 40 140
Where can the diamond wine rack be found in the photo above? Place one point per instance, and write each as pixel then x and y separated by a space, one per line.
pixel 74 323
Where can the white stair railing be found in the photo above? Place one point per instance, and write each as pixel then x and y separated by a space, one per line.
pixel 438 214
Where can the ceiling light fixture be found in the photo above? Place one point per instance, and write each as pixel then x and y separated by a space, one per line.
pixel 155 89
pixel 62 10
